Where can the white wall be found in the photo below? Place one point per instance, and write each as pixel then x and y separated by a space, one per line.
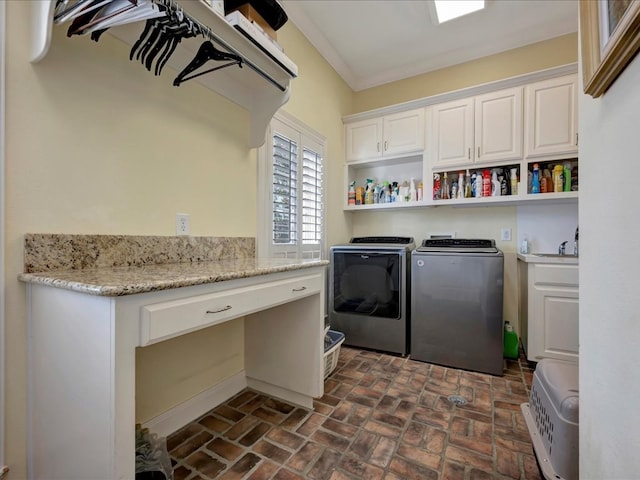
pixel 546 226
pixel 609 285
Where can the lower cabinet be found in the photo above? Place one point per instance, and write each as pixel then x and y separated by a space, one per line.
pixel 549 310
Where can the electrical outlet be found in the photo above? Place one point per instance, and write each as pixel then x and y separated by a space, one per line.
pixel 182 224
pixel 505 234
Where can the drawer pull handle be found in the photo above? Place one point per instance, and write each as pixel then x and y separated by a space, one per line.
pixel 301 289
pixel 223 309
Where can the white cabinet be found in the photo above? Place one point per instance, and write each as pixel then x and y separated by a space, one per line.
pixel 551 123
pixel 486 128
pixel 498 125
pixel 549 310
pixel 387 136
pixel 452 133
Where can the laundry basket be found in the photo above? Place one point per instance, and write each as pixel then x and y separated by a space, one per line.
pixel 332 342
pixel 552 418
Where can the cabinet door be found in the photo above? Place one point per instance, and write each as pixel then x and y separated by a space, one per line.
pixel 555 334
pixel 552 116
pixel 364 139
pixel 498 125
pixel 403 132
pixel 453 133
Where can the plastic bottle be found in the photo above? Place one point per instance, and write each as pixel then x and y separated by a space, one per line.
pixel 376 193
pixel 445 187
pixel 384 194
pixel 495 185
pixel 368 192
pixel 468 188
pixel 510 341
pixel 437 187
pixel 420 191
pixel 351 196
pixel 524 246
pixel 567 177
pixel 557 178
pixel 535 179
pixel 477 185
pixel 461 185
pixel 514 181
pixel 504 186
pixel 486 183
pixel 413 194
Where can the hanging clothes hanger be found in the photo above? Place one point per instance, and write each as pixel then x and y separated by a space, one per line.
pixel 114 9
pixel 81 7
pixel 206 52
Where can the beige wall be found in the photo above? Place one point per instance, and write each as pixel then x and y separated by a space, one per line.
pixel 538 56
pixel 96 144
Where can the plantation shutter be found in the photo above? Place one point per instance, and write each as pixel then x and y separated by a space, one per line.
pixel 296 201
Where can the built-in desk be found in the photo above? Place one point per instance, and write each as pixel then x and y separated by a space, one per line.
pixel 85 325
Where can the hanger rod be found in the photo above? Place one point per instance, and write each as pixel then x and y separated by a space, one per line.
pixel 212 36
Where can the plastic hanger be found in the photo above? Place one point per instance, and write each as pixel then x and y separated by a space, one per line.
pixel 206 52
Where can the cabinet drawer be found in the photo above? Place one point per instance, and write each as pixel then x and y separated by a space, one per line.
pixel 556 274
pixel 164 320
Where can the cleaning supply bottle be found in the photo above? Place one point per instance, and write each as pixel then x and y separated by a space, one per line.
pixel 437 186
pixel 535 179
pixel 445 187
pixel 384 194
pixel 477 185
pixel 514 181
pixel 557 178
pixel 368 192
pixel 413 194
pixel 420 191
pixel 510 341
pixel 495 185
pixel 468 187
pixel 524 246
pixel 461 185
pixel 567 177
pixel 486 183
pixel 376 193
pixel 351 196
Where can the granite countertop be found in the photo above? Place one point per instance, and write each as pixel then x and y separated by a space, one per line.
pixel 564 259
pixel 129 280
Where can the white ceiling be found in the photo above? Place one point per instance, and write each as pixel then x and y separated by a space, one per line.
pixel 373 42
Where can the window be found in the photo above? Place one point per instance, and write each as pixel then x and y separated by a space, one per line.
pixel 290 178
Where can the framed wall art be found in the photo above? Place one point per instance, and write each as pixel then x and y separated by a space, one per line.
pixel 609 39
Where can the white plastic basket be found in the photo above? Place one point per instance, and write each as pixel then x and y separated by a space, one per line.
pixel 552 418
pixel 333 340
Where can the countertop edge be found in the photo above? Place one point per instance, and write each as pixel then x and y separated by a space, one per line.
pixel 51 279
pixel 564 260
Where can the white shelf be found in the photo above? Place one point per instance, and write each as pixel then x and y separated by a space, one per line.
pixel 385 206
pixel 243 86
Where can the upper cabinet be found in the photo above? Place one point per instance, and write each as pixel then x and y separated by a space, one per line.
pixel 387 136
pixel 261 86
pixel 551 123
pixel 486 128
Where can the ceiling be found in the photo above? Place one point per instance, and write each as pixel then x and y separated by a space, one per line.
pixel 373 42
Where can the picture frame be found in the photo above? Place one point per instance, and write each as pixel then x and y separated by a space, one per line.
pixel 609 39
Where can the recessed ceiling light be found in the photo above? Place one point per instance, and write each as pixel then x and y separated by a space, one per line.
pixel 449 9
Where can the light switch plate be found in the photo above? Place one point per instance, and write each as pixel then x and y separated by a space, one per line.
pixel 505 234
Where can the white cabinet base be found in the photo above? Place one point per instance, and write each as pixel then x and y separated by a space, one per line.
pixel 81 380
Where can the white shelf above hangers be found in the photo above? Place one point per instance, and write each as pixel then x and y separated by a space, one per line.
pixel 261 86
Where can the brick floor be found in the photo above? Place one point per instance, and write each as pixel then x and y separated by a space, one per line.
pixel 381 417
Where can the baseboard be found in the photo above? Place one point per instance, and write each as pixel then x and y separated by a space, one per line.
pixel 178 416
pixel 299 399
